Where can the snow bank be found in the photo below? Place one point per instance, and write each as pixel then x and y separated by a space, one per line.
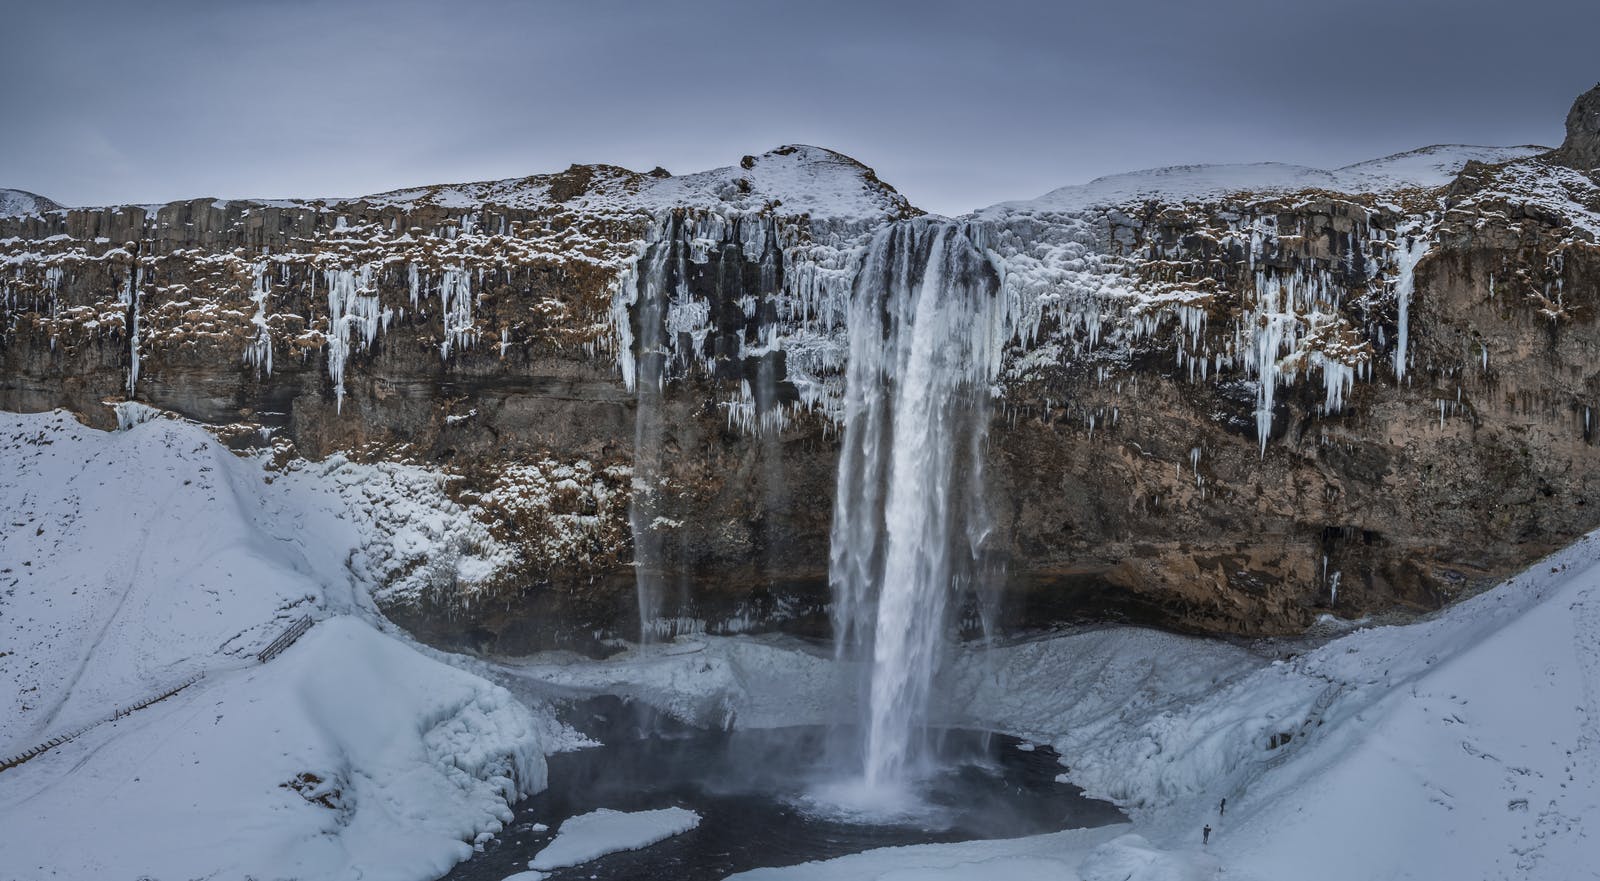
pixel 593 835
pixel 349 756
pixel 1470 746
pixel 127 567
pixel 140 557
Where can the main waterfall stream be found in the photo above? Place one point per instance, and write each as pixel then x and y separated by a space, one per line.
pixel 926 330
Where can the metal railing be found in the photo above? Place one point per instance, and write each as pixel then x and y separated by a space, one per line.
pixel 116 714
pixel 285 639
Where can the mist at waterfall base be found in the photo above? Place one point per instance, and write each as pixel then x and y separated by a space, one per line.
pixel 754 791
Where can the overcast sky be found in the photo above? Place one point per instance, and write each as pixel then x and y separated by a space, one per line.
pixel 959 105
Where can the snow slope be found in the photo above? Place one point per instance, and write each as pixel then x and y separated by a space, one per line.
pixel 1478 756
pixel 129 565
pixel 136 558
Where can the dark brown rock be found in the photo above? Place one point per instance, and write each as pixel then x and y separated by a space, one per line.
pixel 1581 149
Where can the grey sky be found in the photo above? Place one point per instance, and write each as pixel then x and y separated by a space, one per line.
pixel 959 105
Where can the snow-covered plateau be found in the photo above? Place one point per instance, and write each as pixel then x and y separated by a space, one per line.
pixel 1462 746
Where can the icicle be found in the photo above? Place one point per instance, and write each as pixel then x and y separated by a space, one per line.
pixel 352 303
pixel 131 296
pixel 1415 246
pixel 455 297
pixel 258 352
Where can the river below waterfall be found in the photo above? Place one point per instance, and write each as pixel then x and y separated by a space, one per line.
pixel 754 791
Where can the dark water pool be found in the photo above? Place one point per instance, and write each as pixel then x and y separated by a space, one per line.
pixel 755 793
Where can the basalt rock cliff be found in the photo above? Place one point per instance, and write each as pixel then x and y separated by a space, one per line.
pixel 1225 399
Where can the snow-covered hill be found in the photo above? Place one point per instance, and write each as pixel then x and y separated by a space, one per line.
pixel 790 180
pixel 15 202
pixel 1424 168
pixel 135 559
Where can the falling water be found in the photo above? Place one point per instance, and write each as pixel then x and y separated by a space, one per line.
pixel 925 335
pixel 650 296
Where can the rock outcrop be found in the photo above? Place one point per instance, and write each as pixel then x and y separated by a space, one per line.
pixel 1230 399
pixel 1581 149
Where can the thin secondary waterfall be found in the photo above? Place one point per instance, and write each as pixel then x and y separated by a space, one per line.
pixel 650 368
pixel 926 330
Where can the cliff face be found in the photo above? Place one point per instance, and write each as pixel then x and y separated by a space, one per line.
pixel 1228 400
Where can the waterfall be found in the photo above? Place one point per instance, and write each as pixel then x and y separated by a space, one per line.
pixel 926 330
pixel 649 296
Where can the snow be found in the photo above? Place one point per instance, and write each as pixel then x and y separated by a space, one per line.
pixel 349 755
pixel 15 203
pixel 138 558
pixel 1425 168
pixel 593 835
pixel 1542 189
pixel 792 180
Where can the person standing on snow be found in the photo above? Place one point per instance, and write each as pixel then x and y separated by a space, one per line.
pixel 1205 834
pixel 1222 808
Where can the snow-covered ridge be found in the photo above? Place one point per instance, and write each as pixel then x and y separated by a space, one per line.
pixel 790 180
pixel 1424 168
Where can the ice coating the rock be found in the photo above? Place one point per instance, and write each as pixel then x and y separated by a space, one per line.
pixel 1412 247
